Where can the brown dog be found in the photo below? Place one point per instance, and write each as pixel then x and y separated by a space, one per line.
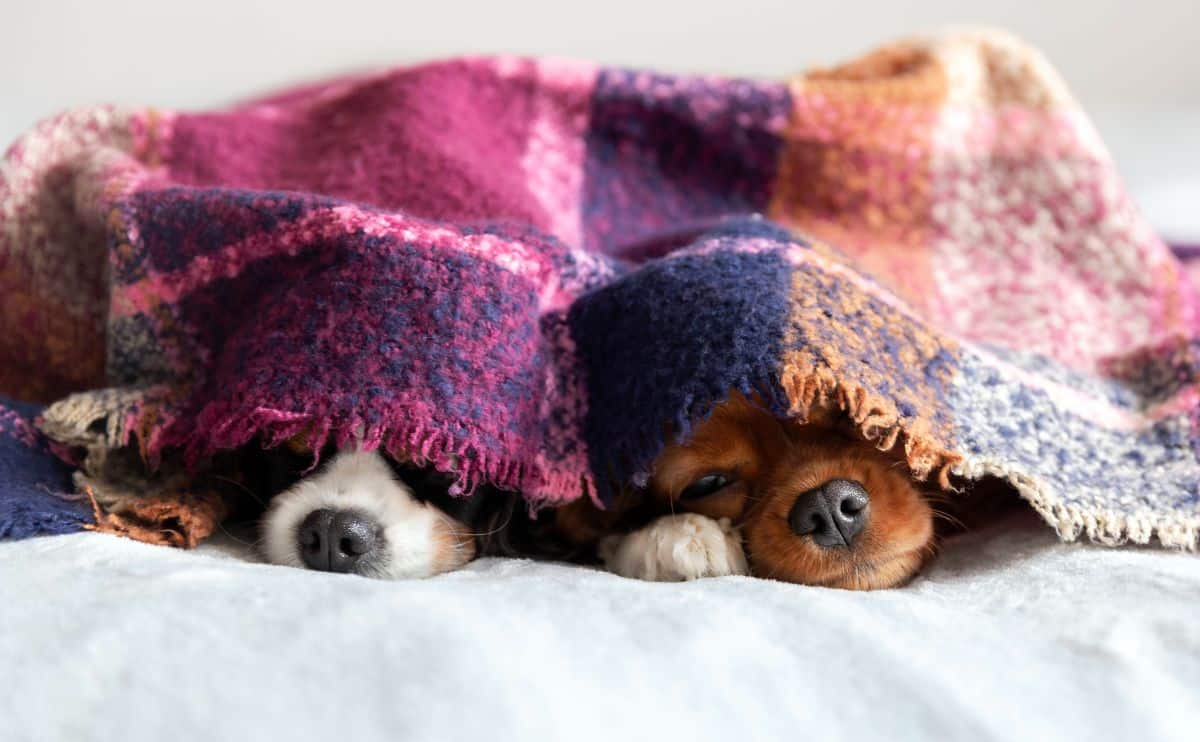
pixel 813 503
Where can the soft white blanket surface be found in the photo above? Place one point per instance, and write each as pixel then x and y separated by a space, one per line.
pixel 1010 635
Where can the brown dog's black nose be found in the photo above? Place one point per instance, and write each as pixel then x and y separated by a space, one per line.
pixel 336 540
pixel 832 514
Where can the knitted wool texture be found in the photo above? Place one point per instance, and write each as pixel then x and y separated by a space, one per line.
pixel 526 271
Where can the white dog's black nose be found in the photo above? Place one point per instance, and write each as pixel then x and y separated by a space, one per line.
pixel 832 514
pixel 337 540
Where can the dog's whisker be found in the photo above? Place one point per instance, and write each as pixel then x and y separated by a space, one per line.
pixel 227 532
pixel 952 520
pixel 495 530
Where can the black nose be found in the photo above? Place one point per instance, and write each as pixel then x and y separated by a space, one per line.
pixel 832 514
pixel 336 540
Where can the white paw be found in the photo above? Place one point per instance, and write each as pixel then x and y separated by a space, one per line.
pixel 676 547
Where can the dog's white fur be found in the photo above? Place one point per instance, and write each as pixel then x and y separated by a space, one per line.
pixel 418 539
pixel 677 547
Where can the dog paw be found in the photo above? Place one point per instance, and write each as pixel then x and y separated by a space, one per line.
pixel 676 547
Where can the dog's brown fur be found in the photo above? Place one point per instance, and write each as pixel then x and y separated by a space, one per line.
pixel 769 463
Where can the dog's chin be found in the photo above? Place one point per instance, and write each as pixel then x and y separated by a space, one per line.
pixel 846 570
pixel 874 574
pixel 414 539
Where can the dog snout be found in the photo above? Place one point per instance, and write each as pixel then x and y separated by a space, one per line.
pixel 337 540
pixel 833 514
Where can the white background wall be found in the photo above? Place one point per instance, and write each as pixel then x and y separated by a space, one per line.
pixel 1121 56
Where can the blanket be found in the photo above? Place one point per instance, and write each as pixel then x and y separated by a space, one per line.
pixel 533 273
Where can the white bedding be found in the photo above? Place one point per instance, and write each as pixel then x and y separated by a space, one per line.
pixel 1009 635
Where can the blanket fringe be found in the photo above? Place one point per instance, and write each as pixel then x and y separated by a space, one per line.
pixel 876 418
pixel 176 519
pixel 1070 521
pixel 405 442
pixel 183 518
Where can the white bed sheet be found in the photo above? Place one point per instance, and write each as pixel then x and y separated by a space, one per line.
pixel 1010 635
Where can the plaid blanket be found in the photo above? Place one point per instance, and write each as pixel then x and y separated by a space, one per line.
pixel 525 271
